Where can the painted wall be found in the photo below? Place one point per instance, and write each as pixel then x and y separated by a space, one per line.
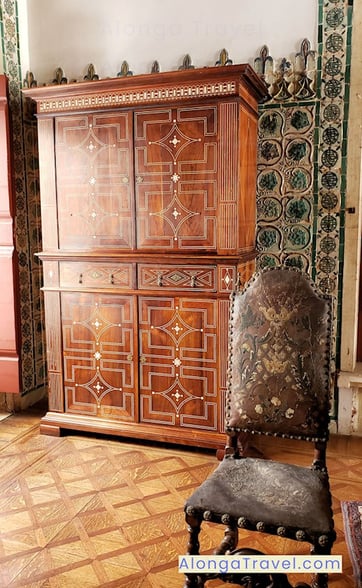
pixel 73 34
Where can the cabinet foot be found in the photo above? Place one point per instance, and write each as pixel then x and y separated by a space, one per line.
pixel 52 430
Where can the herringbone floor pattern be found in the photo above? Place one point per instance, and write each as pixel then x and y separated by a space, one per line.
pixel 85 511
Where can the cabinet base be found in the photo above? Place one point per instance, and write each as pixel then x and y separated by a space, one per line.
pixel 53 423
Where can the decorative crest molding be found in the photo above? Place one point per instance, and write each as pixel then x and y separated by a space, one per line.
pixel 224 58
pixel 59 77
pixel 288 80
pixel 124 71
pixel 155 67
pixel 187 63
pixel 91 73
pixel 29 80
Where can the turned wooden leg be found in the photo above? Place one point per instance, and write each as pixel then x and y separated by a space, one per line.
pixel 229 542
pixel 193 546
pixel 320 580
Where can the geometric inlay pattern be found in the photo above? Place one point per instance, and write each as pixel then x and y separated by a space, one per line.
pixel 99 355
pixel 175 214
pixel 176 172
pixel 178 377
pixel 93 181
pixel 178 277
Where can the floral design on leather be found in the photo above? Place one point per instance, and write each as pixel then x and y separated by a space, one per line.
pixel 279 357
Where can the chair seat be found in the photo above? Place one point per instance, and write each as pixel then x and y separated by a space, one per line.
pixel 267 495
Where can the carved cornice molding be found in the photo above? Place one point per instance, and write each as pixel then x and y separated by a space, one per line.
pixel 187 84
pixel 127 98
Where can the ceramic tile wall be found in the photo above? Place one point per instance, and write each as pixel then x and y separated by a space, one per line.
pixel 302 156
pixel 27 225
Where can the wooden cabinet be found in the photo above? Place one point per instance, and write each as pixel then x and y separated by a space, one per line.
pixel 148 219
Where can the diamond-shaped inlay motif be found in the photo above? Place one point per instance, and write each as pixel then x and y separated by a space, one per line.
pixel 177 328
pixel 175 178
pixel 174 141
pixel 179 139
pixel 177 395
pixel 97 386
pixel 171 217
pixel 176 277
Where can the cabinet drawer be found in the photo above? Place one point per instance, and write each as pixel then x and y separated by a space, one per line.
pixel 175 277
pixel 96 275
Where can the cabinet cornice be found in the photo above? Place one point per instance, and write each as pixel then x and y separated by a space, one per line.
pixel 147 89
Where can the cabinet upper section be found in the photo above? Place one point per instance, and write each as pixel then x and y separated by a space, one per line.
pixel 194 84
pixel 161 163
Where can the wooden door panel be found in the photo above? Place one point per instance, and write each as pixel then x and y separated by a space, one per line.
pixel 94 159
pixel 176 178
pixel 99 347
pixel 178 362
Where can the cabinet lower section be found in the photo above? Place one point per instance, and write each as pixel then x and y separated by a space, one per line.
pixel 138 363
pixel 53 423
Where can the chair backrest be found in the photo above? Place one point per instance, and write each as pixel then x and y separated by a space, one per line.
pixel 279 377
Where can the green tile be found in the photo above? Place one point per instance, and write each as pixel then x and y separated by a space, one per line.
pixel 320 11
pixel 344 148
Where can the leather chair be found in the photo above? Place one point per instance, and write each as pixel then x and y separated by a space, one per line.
pixel 279 382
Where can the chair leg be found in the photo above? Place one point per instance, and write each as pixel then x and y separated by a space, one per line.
pixel 320 580
pixel 193 546
pixel 229 542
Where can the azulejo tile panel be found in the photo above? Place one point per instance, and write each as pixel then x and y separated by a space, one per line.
pixel 302 156
pixel 285 185
pixel 28 232
pixel 334 50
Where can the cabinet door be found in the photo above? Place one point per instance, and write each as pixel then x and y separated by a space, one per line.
pixel 176 178
pixel 94 164
pixel 99 347
pixel 178 362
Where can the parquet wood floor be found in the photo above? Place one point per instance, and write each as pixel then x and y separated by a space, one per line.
pixel 85 511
